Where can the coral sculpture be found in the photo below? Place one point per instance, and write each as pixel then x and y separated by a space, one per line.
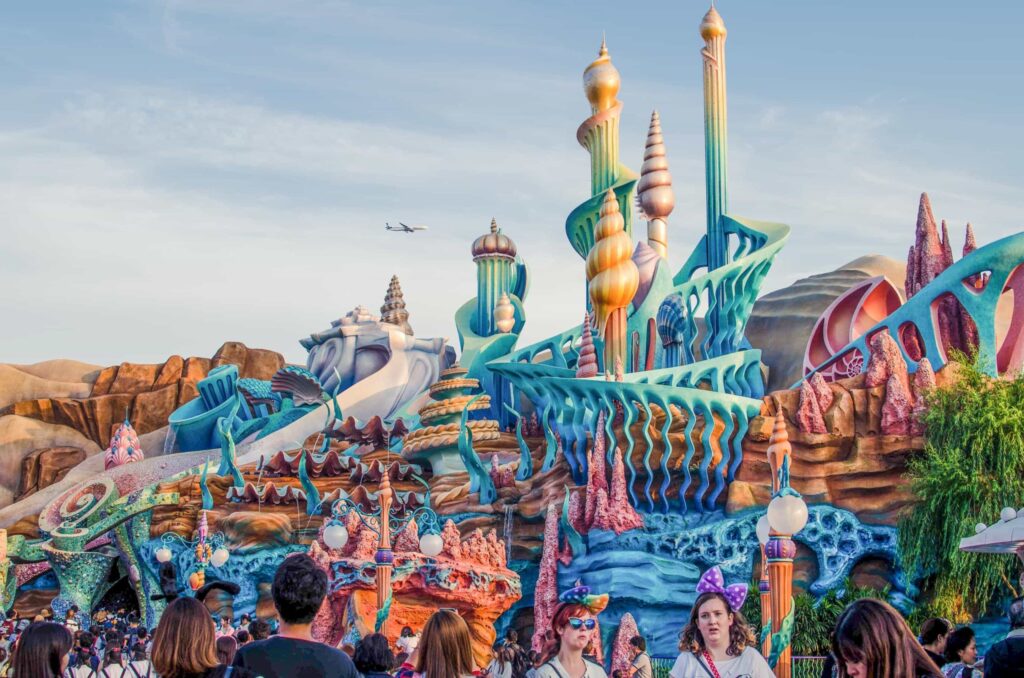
pixel 124 447
pixel 621 659
pixel 545 596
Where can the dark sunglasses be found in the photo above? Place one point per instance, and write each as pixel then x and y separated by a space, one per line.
pixel 576 623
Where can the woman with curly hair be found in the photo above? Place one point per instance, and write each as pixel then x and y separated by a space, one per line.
pixel 717 642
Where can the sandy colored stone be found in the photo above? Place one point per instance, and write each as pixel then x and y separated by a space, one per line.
pixel 244 529
pixel 104 380
pixel 839 419
pixel 43 467
pixel 151 409
pixel 170 372
pixel 134 378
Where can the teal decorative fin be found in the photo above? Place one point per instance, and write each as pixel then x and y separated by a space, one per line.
pixel 780 640
pixel 207 497
pixel 576 542
pixel 479 479
pixel 312 494
pixel 525 458
pixel 382 615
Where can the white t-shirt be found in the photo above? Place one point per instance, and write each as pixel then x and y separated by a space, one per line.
pixel 750 664
pixel 408 643
pixel 554 669
pixel 498 669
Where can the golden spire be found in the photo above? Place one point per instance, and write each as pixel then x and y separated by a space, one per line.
pixel 712 26
pixel 601 81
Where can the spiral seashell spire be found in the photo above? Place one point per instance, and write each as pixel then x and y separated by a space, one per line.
pixel 614 278
pixel 393 311
pixel 654 192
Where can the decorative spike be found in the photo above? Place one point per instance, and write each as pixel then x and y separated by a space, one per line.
pixel 586 366
pixel 779 451
pixel 393 311
pixel 654 191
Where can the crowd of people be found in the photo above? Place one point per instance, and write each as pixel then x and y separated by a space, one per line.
pixel 870 640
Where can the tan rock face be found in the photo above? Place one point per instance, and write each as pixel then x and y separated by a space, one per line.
pixel 851 466
pixel 146 393
pixel 42 468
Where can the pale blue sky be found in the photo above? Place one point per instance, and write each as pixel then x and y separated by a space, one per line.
pixel 174 175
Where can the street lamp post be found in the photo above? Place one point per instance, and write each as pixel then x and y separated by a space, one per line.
pixel 764 587
pixel 787 515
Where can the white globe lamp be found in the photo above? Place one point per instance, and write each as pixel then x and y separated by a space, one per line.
pixel 763 530
pixel 335 536
pixel 787 514
pixel 163 554
pixel 1007 514
pixel 219 557
pixel 431 545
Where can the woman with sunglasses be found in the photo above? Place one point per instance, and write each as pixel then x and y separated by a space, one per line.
pixel 572 636
pixel 718 642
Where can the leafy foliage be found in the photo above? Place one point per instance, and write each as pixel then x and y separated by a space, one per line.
pixel 815 619
pixel 972 467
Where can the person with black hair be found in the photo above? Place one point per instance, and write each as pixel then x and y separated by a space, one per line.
pixel 243 637
pixel 71 620
pixel 42 651
pixel 933 639
pixel 640 667
pixel 961 654
pixel 259 629
pixel 373 657
pixel 299 589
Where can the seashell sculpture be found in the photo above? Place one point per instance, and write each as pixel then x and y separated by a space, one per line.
pixel 654 192
pixel 504 314
pixel 614 278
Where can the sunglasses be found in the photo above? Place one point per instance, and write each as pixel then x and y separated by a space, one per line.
pixel 576 623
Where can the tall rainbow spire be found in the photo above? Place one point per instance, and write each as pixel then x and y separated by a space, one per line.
pixel 712 30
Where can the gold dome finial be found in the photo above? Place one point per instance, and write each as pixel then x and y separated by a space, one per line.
pixel 494 225
pixel 601 81
pixel 712 25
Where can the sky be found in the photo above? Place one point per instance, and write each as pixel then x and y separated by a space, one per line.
pixel 178 174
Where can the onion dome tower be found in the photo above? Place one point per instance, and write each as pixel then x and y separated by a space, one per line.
pixel 614 279
pixel 654 192
pixel 393 311
pixel 124 447
pixel 494 254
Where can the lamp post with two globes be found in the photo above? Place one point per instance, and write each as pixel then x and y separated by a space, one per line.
pixel 787 515
pixel 209 550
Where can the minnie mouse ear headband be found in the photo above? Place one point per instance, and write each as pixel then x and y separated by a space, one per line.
pixel 581 595
pixel 712 581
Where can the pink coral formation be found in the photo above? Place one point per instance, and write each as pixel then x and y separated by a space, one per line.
pixel 545 595
pixel 124 447
pixel 897 408
pixel 886 360
pixel 586 366
pixel 618 513
pixel 809 417
pixel 815 399
pixel 502 476
pixel 929 257
pixel 621 659
pixel 596 478
pixel 408 540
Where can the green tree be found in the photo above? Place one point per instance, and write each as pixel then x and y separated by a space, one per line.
pixel 972 467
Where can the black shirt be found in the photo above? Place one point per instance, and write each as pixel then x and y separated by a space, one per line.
pixel 279 657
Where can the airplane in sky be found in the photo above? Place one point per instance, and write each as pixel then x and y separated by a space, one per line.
pixel 402 228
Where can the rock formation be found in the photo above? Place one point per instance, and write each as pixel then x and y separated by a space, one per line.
pixel 597 481
pixel 617 513
pixel 393 311
pixel 924 381
pixel 809 417
pixel 897 408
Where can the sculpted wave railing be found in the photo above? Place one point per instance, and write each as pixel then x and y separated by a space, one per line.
pixel 1003 261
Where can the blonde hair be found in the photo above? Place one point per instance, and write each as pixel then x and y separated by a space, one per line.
pixel 445 649
pixel 185 641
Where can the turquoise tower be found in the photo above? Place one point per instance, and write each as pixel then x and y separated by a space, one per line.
pixel 495 256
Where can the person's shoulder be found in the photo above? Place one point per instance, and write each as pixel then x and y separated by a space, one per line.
pixel 594 669
pixel 546 670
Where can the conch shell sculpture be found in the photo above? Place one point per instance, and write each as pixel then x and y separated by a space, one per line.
pixel 614 278
pixel 654 192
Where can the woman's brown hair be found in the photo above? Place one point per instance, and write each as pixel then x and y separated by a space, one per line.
pixel 445 649
pixel 553 637
pixel 872 632
pixel 740 633
pixel 185 641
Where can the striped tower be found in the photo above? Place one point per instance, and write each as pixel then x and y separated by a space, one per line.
pixel 765 589
pixel 780 549
pixel 599 133
pixel 494 254
pixel 712 29
pixel 385 558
